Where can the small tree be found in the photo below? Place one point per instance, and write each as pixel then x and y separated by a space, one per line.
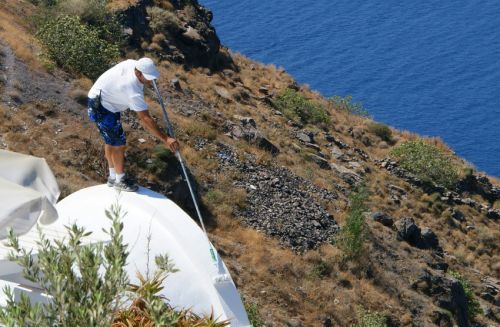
pixel 297 107
pixel 84 282
pixel 353 235
pixel 426 162
pixel 346 104
pixel 76 46
pixel 381 130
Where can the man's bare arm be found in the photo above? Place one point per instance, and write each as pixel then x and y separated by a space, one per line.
pixel 148 123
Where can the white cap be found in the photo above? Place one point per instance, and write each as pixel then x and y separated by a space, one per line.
pixel 148 69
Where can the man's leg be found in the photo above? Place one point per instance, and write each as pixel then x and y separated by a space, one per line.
pixel 117 154
pixel 107 153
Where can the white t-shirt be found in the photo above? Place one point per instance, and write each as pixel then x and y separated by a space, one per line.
pixel 120 89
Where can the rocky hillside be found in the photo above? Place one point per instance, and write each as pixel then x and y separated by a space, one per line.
pixel 277 169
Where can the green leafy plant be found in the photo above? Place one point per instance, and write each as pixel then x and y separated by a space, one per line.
pixel 346 104
pixel 321 269
pixel 161 158
pixel 473 305
pixel 427 162
pixel 367 318
pixel 84 281
pixel 353 235
pixel 76 46
pixel 94 13
pixel 381 130
pixel 252 310
pixel 297 107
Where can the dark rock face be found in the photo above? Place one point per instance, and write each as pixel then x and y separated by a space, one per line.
pixel 479 184
pixel 458 215
pixel 446 293
pixel 282 204
pixel 383 218
pixel 428 239
pixel 408 231
pixel 493 214
pixel 337 142
pixel 192 41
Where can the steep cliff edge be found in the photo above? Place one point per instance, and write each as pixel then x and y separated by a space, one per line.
pixel 274 179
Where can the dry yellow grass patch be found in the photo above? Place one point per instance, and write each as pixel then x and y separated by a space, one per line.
pixel 121 4
pixel 14 32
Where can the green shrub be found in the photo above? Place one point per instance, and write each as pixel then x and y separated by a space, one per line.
pixel 473 305
pixel 96 14
pixel 161 19
pixel 367 318
pixel 85 282
pixel 321 269
pixel 77 46
pixel 161 158
pixel 297 107
pixel 253 314
pixel 426 162
pixel 346 104
pixel 353 235
pixel 381 130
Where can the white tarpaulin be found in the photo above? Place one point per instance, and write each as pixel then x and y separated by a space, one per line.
pixel 28 192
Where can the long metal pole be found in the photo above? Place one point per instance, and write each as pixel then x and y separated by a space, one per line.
pixel 170 130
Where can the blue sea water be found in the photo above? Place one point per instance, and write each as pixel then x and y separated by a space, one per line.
pixel 430 67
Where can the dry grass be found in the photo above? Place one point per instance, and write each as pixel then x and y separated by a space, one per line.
pixel 15 34
pixel 121 4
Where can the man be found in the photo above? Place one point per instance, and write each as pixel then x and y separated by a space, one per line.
pixel 116 90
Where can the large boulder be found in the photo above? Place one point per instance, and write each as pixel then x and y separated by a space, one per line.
pixel 422 238
pixel 428 239
pixel 305 136
pixel 493 214
pixel 383 218
pixel 408 231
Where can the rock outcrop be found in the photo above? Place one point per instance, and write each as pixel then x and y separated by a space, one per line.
pixel 424 238
pixel 446 293
pixel 182 34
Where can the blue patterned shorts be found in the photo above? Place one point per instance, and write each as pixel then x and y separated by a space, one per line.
pixel 108 123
